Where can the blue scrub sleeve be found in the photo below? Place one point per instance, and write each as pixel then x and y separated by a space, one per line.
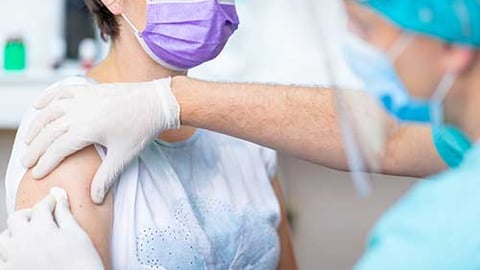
pixel 451 144
pixel 435 226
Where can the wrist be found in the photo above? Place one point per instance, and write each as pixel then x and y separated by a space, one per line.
pixel 183 90
pixel 166 105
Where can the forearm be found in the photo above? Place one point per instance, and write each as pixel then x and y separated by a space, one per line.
pixel 411 152
pixel 296 120
pixel 301 121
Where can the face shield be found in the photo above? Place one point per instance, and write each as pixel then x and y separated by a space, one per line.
pixel 366 129
pixel 365 124
pixel 371 99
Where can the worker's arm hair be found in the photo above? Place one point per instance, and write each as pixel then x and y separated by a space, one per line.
pixel 301 121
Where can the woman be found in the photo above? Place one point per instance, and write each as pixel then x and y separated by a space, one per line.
pixel 194 199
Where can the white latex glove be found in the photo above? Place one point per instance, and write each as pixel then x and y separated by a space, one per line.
pixel 124 118
pixel 47 237
pixel 4 237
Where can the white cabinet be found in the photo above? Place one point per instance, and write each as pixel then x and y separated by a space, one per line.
pixel 17 92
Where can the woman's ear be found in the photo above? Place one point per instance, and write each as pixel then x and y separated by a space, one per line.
pixel 459 59
pixel 115 6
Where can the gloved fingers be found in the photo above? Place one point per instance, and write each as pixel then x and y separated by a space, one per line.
pixel 3 257
pixel 53 93
pixel 41 143
pixel 44 118
pixel 63 147
pixel 18 221
pixel 63 215
pixel 107 174
pixel 42 213
pixel 4 238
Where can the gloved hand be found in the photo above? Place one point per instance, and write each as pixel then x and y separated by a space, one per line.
pixel 124 118
pixel 47 237
pixel 4 237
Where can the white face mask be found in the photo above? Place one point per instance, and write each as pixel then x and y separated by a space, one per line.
pixel 377 71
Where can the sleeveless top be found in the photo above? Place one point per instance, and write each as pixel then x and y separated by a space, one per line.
pixel 204 203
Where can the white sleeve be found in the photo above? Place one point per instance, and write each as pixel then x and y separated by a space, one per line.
pixel 15 169
pixel 270 160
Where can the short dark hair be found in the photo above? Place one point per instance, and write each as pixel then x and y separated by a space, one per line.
pixel 106 21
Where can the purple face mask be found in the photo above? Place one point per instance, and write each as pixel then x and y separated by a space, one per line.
pixel 182 34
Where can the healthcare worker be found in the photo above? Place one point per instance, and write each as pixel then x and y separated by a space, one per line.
pixel 297 120
pixel 433 227
pixel 422 61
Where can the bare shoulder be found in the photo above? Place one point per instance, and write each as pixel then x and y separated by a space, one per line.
pixel 75 175
pixel 75 172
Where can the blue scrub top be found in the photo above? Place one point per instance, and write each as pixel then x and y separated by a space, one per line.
pixel 435 226
pixel 451 144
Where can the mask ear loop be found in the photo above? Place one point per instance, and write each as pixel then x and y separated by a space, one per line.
pixel 135 29
pixel 400 46
pixel 439 96
pixel 444 87
pixel 146 48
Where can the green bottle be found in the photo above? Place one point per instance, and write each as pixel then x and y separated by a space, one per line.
pixel 15 55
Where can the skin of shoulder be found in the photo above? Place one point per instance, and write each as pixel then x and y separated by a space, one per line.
pixel 75 175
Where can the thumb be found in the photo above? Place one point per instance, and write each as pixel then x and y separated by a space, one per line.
pixel 63 215
pixel 107 175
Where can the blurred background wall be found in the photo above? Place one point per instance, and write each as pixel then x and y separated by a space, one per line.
pixel 279 41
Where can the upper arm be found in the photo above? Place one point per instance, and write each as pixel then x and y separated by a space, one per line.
pixel 75 175
pixel 287 255
pixel 411 152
